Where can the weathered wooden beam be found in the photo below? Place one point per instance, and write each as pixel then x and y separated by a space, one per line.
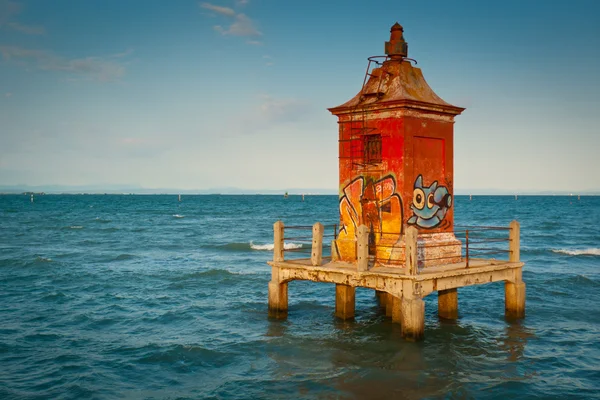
pixel 278 241
pixel 515 242
pixel 411 251
pixel 362 238
pixel 514 290
pixel 316 256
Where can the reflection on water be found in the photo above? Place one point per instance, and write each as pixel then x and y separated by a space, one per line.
pixel 515 339
pixel 367 357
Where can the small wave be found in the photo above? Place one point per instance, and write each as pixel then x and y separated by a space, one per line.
pixel 184 355
pixel 178 216
pixel 211 273
pixel 579 252
pixel 570 282
pixel 123 257
pixel 109 230
pixel 248 246
pixel 76 227
pixel 102 220
pixel 271 246
pixel 43 259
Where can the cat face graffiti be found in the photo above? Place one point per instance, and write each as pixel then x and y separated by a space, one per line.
pixel 429 204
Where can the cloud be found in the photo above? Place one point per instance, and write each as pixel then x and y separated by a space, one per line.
pixel 268 59
pixel 8 10
pixel 96 68
pixel 7 94
pixel 219 10
pixel 268 113
pixel 27 29
pixel 282 109
pixel 241 25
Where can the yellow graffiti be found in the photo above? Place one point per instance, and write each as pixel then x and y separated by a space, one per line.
pixel 376 205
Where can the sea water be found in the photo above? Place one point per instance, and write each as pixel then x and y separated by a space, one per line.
pixel 126 296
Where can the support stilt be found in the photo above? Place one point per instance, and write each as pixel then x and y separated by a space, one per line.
pixel 382 298
pixel 448 304
pixel 514 299
pixel 344 301
pixel 413 318
pixel 278 300
pixel 389 304
pixel 396 309
pixel 514 291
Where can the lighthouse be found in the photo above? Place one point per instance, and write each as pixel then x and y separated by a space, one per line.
pixel 396 232
pixel 396 145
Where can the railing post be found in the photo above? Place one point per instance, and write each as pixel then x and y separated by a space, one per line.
pixel 278 241
pixel 362 248
pixel 514 289
pixel 515 242
pixel 410 241
pixel 317 244
pixel 467 248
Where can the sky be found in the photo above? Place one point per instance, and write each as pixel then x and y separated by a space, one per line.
pixel 234 93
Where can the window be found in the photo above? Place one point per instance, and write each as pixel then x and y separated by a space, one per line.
pixel 372 149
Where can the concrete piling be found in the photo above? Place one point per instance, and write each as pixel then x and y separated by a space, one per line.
pixel 413 318
pixel 344 301
pixel 448 303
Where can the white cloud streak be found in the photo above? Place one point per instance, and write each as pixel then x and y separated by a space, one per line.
pixel 8 11
pixel 27 29
pixel 274 109
pixel 96 68
pixel 228 12
pixel 241 25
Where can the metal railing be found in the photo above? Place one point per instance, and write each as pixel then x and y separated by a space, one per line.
pixel 300 241
pixel 480 241
pixel 468 243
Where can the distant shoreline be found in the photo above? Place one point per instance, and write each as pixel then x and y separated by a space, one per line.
pixel 110 193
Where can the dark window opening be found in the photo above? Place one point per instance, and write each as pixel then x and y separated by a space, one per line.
pixel 372 148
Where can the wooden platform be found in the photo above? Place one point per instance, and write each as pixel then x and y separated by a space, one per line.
pixel 400 292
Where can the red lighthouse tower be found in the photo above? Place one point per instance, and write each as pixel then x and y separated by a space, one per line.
pixel 396 162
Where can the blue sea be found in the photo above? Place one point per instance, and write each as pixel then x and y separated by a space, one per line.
pixel 148 297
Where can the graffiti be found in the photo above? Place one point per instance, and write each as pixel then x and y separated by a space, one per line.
pixel 372 203
pixel 429 204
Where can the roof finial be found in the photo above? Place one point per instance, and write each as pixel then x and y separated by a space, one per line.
pixel 396 48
